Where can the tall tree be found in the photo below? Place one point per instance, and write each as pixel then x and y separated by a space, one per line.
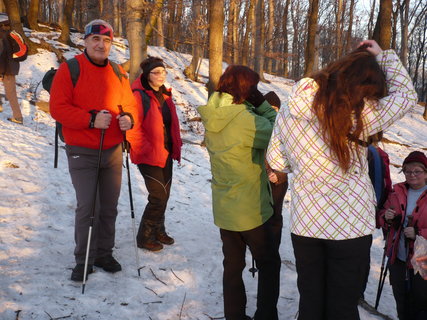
pixel 135 29
pixel 66 23
pixel 404 22
pixel 285 39
pixel 259 39
pixel 269 35
pixel 382 31
pixel 310 50
pixel 190 71
pixel 154 16
pixel 216 26
pixel 33 14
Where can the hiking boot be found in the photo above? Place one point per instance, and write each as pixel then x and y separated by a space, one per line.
pixel 164 238
pixel 108 263
pixel 16 120
pixel 78 272
pixel 151 245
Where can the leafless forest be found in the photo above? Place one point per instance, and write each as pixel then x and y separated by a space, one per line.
pixel 291 38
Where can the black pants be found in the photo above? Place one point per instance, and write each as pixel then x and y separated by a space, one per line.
pixel 410 292
pixel 278 193
pixel 158 183
pixel 329 276
pixel 262 245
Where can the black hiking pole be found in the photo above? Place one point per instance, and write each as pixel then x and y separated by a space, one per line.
pixel 55 160
pixel 132 211
pixel 93 209
pixel 383 272
pixel 253 270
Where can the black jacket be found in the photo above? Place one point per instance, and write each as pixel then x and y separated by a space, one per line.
pixel 7 64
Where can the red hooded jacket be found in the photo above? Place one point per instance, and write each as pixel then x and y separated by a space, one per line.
pixel 397 201
pixel 147 136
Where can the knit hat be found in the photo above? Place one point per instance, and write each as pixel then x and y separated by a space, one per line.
pixel 416 156
pixel 99 26
pixel 149 64
pixel 273 99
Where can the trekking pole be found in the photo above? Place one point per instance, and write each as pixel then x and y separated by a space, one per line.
pixel 383 271
pixel 132 211
pixel 407 277
pixel 93 209
pixel 55 160
pixel 253 270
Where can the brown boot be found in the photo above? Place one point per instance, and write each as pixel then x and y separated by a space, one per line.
pixel 146 238
pixel 164 238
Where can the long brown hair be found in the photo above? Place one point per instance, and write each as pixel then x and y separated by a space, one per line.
pixel 238 81
pixel 339 102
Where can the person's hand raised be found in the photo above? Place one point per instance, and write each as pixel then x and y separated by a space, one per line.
pixel 371 46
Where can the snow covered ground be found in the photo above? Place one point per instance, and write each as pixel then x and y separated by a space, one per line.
pixel 183 281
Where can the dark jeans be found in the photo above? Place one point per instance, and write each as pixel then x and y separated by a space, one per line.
pixel 278 193
pixel 82 164
pixel 329 276
pixel 158 183
pixel 410 292
pixel 262 244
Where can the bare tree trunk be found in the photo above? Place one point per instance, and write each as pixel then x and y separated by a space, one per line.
pixel 285 39
pixel 106 8
pixel 12 10
pixel 348 44
pixel 338 31
pixel 382 31
pixel 235 30
pixel 216 26
pixel 33 14
pixel 245 42
pixel 160 34
pixel 404 21
pixel 310 51
pixel 269 35
pixel 158 5
pixel 259 39
pixel 371 21
pixel 2 6
pixel 116 17
pixel 66 23
pixel 252 26
pixel 135 30
pixel 190 71
pixel 93 10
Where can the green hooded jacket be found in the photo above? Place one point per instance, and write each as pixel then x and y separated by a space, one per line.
pixel 236 136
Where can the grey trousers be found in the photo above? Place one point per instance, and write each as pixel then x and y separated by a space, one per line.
pixel 82 164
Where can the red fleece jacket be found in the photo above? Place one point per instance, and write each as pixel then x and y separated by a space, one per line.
pixel 147 138
pixel 97 88
pixel 397 201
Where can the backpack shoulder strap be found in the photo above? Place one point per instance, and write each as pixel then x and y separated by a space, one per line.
pixel 145 100
pixel 378 171
pixel 117 71
pixel 74 67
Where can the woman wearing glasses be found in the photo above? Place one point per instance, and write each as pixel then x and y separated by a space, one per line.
pixel 405 216
pixel 155 141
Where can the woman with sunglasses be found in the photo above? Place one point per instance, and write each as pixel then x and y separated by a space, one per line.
pixel 155 141
pixel 405 216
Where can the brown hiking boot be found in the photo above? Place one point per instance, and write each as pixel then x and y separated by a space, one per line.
pixel 164 238
pixel 151 245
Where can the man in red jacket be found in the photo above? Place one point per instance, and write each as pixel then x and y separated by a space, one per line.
pixel 85 109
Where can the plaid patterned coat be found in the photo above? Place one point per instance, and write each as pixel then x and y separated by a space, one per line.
pixel 328 203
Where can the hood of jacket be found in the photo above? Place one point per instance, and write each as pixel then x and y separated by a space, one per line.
pixel 301 99
pixel 220 111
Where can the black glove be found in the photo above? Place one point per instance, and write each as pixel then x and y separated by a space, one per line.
pixel 255 97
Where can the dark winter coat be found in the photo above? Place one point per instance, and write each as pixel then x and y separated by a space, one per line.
pixel 397 199
pixel 7 64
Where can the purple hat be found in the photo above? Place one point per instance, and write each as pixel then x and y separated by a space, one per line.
pixel 416 156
